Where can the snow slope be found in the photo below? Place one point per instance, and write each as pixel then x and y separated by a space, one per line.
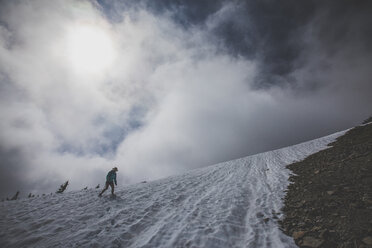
pixel 232 204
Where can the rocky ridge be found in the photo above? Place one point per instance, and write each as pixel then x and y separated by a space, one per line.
pixel 329 202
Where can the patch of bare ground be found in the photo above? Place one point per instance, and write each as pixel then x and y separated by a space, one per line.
pixel 329 203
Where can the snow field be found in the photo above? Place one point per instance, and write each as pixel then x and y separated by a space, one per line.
pixel 231 204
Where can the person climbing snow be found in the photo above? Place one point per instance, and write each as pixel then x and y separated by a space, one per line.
pixel 110 180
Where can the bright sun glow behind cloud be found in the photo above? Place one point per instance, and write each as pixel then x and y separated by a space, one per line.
pixel 90 49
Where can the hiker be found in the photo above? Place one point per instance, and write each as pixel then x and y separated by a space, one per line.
pixel 110 179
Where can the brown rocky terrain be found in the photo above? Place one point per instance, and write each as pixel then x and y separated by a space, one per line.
pixel 329 203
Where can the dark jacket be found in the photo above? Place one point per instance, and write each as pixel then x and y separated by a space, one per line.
pixel 111 177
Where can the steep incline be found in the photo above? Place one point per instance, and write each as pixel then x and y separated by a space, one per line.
pixel 232 204
pixel 329 203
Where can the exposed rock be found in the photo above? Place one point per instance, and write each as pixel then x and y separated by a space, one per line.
pixel 330 198
pixel 311 242
pixel 298 234
pixel 316 228
pixel 367 240
pixel 323 233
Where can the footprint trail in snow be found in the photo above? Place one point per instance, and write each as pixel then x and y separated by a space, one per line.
pixel 231 204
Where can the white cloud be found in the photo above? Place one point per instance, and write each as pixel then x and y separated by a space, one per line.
pixel 166 74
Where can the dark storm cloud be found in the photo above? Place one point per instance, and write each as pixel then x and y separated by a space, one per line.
pixel 270 31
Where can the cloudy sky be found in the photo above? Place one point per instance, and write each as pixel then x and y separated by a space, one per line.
pixel 161 87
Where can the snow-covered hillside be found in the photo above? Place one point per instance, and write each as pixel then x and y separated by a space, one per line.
pixel 232 204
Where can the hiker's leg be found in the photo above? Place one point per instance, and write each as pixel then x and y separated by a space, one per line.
pixel 112 188
pixel 106 187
